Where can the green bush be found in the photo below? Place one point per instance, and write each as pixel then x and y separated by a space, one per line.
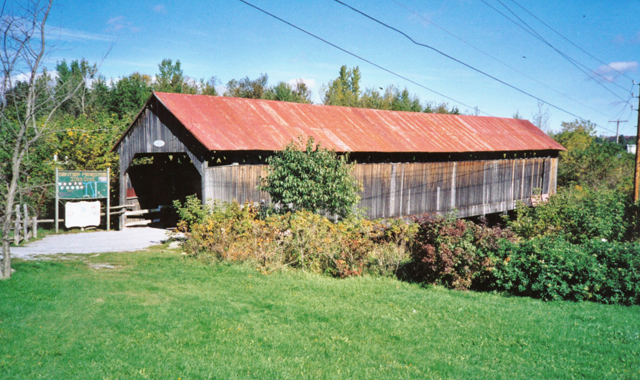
pixel 578 215
pixel 193 211
pixel 453 252
pixel 552 268
pixel 312 178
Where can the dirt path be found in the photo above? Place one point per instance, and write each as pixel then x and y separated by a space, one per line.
pixel 131 239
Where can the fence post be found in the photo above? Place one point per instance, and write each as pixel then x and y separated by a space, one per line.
pixel 16 233
pixel 34 226
pixel 25 223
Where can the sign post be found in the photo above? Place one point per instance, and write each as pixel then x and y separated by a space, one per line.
pixel 82 185
pixel 108 212
pixel 57 202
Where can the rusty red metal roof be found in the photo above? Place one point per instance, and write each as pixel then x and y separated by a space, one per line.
pixel 223 123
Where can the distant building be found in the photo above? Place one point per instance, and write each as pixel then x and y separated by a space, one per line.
pixel 408 163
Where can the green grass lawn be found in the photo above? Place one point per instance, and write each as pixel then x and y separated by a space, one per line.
pixel 158 315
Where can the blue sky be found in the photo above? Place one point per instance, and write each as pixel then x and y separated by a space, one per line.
pixel 230 40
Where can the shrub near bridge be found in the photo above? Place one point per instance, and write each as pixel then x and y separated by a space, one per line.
pixel 302 239
pixel 579 215
pixel 552 268
pixel 456 253
pixel 304 176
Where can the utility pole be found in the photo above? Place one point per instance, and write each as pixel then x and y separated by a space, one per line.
pixel 617 126
pixel 636 176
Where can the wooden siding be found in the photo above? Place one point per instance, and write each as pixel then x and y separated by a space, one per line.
pixel 235 182
pixel 404 189
pixel 156 123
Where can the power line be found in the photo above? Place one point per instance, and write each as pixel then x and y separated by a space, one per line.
pixel 359 57
pixel 460 62
pixel 541 39
pixel 569 41
pixel 571 60
pixel 625 104
pixel 498 60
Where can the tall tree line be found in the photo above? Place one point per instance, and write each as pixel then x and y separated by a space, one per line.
pixel 346 91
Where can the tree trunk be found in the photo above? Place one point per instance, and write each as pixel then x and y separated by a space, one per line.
pixel 6 262
pixel 6 224
pixel 16 228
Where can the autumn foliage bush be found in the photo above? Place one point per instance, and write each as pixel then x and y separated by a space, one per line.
pixel 456 253
pixel 302 239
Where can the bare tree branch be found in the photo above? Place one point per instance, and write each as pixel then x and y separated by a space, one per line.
pixel 32 108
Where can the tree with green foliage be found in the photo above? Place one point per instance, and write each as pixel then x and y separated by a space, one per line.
pixel 577 134
pixel 208 87
pixel 129 94
pixel 589 163
pixel 284 92
pixel 86 141
pixel 442 108
pixel 70 76
pixel 100 95
pixel 392 99
pixel 170 78
pixel 313 178
pixel 248 88
pixel 344 90
pixel 598 166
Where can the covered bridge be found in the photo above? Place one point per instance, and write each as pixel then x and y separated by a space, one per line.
pixel 408 163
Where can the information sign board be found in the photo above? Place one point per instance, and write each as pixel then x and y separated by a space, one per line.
pixel 81 184
pixel 82 214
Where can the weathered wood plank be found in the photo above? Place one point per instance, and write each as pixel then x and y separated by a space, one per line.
pixel 395 190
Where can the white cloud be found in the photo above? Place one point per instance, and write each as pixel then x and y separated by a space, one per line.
pixel 614 69
pixel 618 40
pixel 160 8
pixel 118 23
pixel 25 77
pixel 310 82
pixel 621 40
pixel 64 34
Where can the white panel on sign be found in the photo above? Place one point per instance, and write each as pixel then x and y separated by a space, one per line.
pixel 82 214
pixel 158 143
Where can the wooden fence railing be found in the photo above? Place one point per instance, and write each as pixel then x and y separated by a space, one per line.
pixel 22 223
pixel 25 227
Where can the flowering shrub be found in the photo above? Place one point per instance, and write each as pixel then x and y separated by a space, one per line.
pixel 455 253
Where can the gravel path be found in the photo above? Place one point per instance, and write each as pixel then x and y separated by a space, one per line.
pixel 131 239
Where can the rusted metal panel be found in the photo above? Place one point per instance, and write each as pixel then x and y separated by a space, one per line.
pixel 233 124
